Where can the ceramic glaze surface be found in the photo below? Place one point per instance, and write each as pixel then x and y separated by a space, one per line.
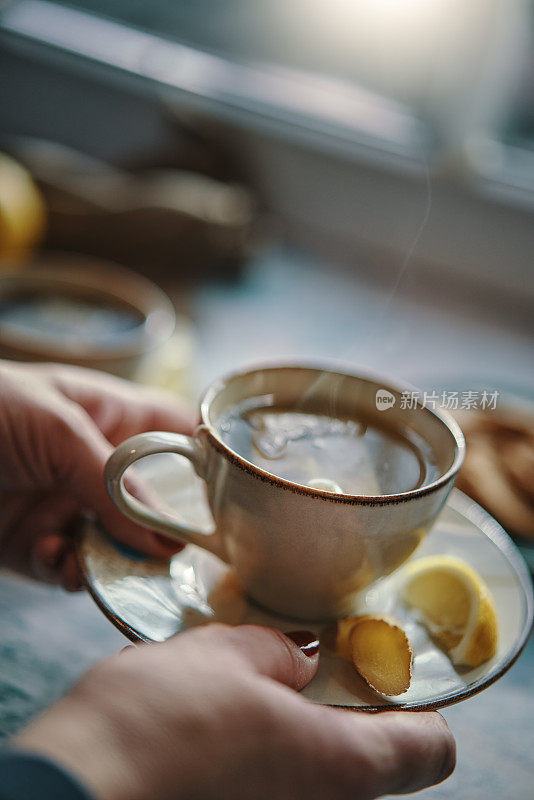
pixel 298 550
pixel 150 601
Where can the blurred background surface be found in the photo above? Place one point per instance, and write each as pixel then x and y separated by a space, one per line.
pixel 370 101
pixel 188 187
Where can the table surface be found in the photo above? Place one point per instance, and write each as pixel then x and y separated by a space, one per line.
pixel 288 305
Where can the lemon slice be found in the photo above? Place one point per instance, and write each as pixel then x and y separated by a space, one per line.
pixel 455 605
pixel 380 651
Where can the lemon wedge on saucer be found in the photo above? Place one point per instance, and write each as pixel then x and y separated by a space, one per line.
pixel 379 650
pixel 455 605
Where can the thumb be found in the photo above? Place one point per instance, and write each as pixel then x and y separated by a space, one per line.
pixel 395 752
pixel 289 658
pixel 80 454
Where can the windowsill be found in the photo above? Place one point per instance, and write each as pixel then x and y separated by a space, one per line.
pixel 357 170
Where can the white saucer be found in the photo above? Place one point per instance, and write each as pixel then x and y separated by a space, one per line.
pixel 150 600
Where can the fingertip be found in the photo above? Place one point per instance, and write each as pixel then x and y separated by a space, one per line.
pixel 154 545
pixel 47 558
pixel 425 746
pixel 138 538
pixel 71 577
pixel 131 533
pixel 449 757
pixel 171 546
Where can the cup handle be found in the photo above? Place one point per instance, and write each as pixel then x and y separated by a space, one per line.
pixel 147 444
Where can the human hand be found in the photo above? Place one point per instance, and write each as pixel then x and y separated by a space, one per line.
pixel 210 715
pixel 58 426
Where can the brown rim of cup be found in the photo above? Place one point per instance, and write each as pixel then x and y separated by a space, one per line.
pixel 207 429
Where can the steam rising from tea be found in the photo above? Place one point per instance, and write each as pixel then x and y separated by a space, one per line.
pixel 337 454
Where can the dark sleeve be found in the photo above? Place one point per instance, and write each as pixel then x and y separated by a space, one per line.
pixel 28 776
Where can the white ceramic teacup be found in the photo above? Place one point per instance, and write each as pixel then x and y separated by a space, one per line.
pixel 300 551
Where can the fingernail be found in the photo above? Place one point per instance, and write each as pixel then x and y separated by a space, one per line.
pixel 306 641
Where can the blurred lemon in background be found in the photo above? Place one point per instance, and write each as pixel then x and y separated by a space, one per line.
pixel 22 213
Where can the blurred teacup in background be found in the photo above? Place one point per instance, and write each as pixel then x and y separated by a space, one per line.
pixel 58 305
pixel 95 314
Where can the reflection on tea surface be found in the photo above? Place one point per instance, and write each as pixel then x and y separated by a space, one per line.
pixel 336 454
